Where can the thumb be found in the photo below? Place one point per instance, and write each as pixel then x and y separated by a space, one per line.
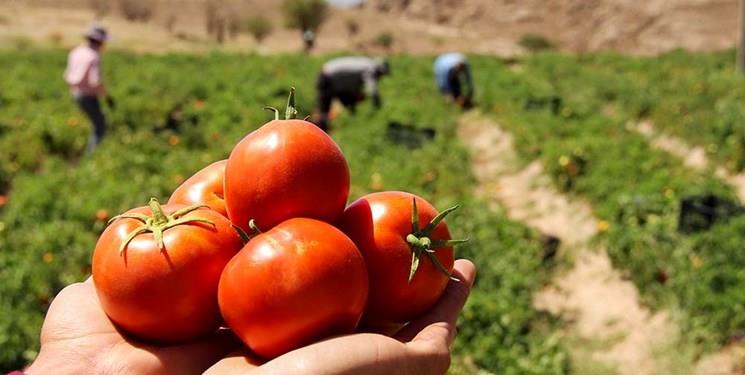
pixel 438 324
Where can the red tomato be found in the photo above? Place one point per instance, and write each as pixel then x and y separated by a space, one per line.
pixel 204 187
pixel 164 290
pixel 406 279
pixel 300 282
pixel 285 169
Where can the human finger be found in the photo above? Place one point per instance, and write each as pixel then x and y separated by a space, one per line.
pixel 440 321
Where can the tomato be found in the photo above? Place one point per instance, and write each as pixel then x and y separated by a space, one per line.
pixel 204 187
pixel 285 169
pixel 156 270
pixel 408 263
pixel 301 281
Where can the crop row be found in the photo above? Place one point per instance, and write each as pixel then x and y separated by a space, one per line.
pixel 574 114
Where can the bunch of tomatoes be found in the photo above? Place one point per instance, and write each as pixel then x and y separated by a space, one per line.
pixel 264 244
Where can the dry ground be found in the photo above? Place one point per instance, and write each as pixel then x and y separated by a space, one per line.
pixel 62 24
pixel 417 26
pixel 607 329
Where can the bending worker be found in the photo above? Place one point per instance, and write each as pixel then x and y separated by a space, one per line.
pixel 349 79
pixel 452 74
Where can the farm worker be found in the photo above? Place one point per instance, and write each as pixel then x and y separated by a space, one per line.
pixel 309 39
pixel 452 73
pixel 83 75
pixel 349 79
pixel 78 338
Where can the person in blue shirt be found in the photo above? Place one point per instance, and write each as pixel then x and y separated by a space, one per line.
pixel 453 77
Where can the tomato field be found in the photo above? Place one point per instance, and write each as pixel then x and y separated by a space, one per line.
pixel 177 113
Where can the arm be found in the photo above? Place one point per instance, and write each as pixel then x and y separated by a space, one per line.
pixel 468 80
pixel 94 77
pixel 370 81
pixel 454 84
pixel 74 72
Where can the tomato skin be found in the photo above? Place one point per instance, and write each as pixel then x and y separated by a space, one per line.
pixel 378 223
pixel 285 169
pixel 204 187
pixel 300 282
pixel 168 296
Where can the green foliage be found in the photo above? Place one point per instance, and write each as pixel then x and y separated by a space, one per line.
pixel 575 111
pixel 259 27
pixel 384 39
pixel 305 14
pixel 57 194
pixel 535 43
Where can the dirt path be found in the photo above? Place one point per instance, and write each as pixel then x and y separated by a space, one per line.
pixel 608 327
pixel 693 157
pixel 731 359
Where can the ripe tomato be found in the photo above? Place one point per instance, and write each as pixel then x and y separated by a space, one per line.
pixel 204 187
pixel 285 169
pixel 408 263
pixel 301 281
pixel 156 270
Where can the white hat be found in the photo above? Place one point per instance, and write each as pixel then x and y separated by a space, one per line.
pixel 97 33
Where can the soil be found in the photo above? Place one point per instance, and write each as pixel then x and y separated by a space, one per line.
pixel 601 309
pixel 645 27
pixel 693 157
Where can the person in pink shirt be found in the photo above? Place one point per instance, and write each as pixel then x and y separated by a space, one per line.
pixel 83 75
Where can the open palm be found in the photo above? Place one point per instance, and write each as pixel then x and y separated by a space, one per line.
pixel 78 338
pixel 422 347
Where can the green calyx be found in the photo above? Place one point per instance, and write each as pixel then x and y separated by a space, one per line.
pixel 420 243
pixel 290 111
pixel 159 222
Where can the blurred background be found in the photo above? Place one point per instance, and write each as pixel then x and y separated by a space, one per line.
pixel 600 168
pixel 501 27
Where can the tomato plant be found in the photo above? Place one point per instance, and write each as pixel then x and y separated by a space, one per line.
pixel 287 168
pixel 301 281
pixel 409 264
pixel 156 272
pixel 204 187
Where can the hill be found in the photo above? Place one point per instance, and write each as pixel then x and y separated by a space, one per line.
pixel 416 26
pixel 579 25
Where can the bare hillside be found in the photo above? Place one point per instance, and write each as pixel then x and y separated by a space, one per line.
pixel 649 26
pixel 416 26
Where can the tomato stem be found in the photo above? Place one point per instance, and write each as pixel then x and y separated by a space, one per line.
pixel 275 110
pixel 291 111
pixel 420 243
pixel 159 217
pixel 254 227
pixel 159 222
pixel 242 233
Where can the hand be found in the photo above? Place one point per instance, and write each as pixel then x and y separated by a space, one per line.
pixel 422 347
pixel 78 338
pixel 110 102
